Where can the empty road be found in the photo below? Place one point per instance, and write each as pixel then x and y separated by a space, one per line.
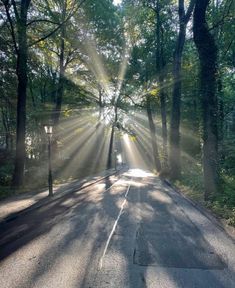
pixel 130 230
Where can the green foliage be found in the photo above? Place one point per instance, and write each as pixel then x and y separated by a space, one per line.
pixel 99 39
pixel 6 173
pixel 191 182
pixel 223 205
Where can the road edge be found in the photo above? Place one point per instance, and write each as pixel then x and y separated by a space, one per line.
pixel 50 199
pixel 219 222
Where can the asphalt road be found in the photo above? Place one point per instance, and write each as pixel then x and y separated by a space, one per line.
pixel 131 231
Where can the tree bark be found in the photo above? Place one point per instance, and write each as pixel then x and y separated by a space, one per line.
pixel 21 72
pixel 59 93
pixel 174 156
pixel 160 72
pixel 111 143
pixel 174 153
pixel 207 51
pixel 157 162
pixel 5 123
pixel 164 123
pixel 101 104
pixel 60 90
pixel 110 152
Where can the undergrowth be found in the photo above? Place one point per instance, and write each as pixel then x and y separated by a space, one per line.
pixel 191 184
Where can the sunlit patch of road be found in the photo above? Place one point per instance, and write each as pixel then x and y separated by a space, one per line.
pixel 130 231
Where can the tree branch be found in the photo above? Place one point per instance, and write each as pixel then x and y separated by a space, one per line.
pixel 42 20
pixel 70 57
pixel 52 50
pixel 59 26
pixel 221 21
pixel 6 5
pixel 230 44
pixel 189 11
pixel 133 102
pixel 15 10
pixel 46 36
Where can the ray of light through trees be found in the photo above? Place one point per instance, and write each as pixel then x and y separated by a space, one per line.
pixel 127 82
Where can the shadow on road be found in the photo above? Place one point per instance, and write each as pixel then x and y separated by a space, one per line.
pixel 153 238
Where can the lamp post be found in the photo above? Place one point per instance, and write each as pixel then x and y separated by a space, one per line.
pixel 48 129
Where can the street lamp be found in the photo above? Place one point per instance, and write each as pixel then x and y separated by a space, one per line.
pixel 48 129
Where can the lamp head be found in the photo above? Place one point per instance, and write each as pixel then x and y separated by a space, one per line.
pixel 48 129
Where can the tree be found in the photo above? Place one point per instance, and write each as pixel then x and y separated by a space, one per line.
pixel 20 42
pixel 18 12
pixel 174 155
pixel 152 129
pixel 207 51
pixel 154 32
pixel 160 67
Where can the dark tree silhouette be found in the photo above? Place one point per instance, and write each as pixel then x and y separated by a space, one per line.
pixel 207 51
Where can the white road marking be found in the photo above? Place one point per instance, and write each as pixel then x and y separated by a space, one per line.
pixel 114 226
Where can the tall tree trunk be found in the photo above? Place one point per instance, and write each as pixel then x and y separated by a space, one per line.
pixel 110 152
pixel 60 86
pixel 216 31
pixel 174 154
pixel 157 162
pixel 5 123
pixel 100 103
pixel 60 90
pixel 220 119
pixel 208 69
pixel 111 143
pixel 21 71
pixel 164 122
pixel 160 72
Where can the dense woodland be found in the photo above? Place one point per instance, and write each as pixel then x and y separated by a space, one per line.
pixel 160 72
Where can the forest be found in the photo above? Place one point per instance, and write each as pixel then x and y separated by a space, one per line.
pixel 142 83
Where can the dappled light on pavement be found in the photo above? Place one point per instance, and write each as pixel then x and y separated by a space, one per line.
pixel 122 231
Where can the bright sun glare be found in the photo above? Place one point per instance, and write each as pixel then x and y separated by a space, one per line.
pixel 117 2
